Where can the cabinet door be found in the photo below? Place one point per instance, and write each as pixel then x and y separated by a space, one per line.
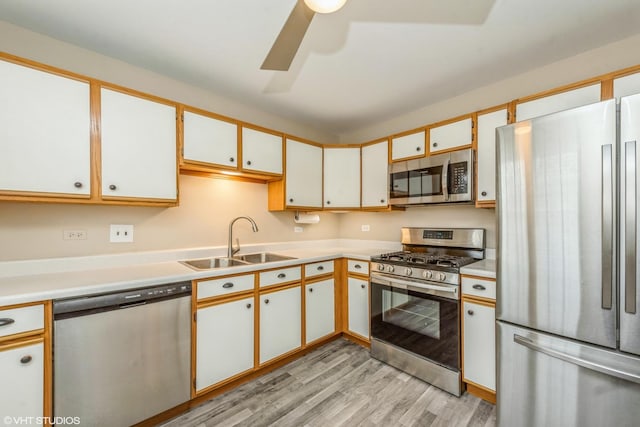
pixel 358 301
pixel 224 341
pixel 487 124
pixel 479 344
pixel 280 323
pixel 407 146
pixel 304 175
pixel 450 136
pixel 558 102
pixel 627 85
pixel 261 151
pixel 375 175
pixel 209 140
pixel 341 177
pixel 319 309
pixel 22 373
pixel 138 147
pixel 45 124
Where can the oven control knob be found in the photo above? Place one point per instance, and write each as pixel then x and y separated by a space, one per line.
pixel 390 268
pixel 380 267
pixel 442 276
pixel 428 274
pixel 408 271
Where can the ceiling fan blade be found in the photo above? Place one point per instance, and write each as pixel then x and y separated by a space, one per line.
pixel 286 45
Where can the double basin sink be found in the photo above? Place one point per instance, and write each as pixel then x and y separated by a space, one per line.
pixel 224 262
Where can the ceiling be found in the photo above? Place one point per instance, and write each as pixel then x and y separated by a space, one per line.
pixel 372 60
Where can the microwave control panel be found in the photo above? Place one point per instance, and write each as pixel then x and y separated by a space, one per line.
pixel 458 178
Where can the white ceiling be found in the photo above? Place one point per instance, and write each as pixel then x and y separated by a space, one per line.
pixel 373 59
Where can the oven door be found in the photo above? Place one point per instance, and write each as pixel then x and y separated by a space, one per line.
pixel 420 317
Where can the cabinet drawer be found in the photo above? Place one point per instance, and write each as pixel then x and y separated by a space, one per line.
pixel 358 267
pixel 18 320
pixel 479 287
pixel 318 268
pixel 225 286
pixel 282 275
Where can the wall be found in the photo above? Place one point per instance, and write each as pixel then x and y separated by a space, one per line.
pixel 202 219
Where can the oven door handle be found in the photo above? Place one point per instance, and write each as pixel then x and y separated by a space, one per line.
pixel 414 286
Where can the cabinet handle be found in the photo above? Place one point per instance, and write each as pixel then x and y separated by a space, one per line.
pixel 6 321
pixel 470 312
pixel 281 276
pixel 310 289
pixel 228 285
pixel 484 193
pixel 26 359
pixel 320 267
pixel 435 144
pixel 358 266
pixel 112 187
pixel 249 162
pixel 417 148
pixel 479 287
pixel 266 301
pixel 231 159
pixel 248 305
pixel 362 286
pixel 77 184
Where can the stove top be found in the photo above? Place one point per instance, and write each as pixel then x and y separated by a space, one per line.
pixel 420 259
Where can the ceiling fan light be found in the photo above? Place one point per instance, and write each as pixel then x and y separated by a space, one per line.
pixel 325 6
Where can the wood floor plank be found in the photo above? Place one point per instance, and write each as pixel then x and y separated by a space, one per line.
pixel 338 384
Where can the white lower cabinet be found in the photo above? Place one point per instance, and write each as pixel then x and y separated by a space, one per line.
pixel 479 344
pixel 280 323
pixel 319 309
pixel 358 302
pixel 22 373
pixel 224 341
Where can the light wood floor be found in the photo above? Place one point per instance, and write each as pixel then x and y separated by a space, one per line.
pixel 338 384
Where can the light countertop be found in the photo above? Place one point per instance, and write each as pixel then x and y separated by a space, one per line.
pixel 484 268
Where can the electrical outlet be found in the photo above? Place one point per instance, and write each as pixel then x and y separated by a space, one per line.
pixel 119 233
pixel 297 229
pixel 74 234
pixel 364 227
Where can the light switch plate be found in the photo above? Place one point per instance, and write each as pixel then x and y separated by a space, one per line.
pixel 365 227
pixel 297 229
pixel 121 233
pixel 74 234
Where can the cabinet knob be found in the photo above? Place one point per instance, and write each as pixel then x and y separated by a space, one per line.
pixel 470 312
pixel 26 359
pixel 231 159
pixel 310 289
pixel 249 162
pixel 328 202
pixel 381 200
pixel 281 276
pixel 112 187
pixel 290 200
pixel 362 286
pixel 266 301
pixel 479 287
pixel 248 305
pixel 228 285
pixel 435 144
pixel 6 321
pixel 484 193
pixel 77 184
pixel 418 148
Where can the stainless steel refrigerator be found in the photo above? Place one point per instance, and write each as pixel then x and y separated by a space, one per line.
pixel 568 312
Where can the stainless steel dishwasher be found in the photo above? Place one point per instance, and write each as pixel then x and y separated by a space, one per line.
pixel 123 357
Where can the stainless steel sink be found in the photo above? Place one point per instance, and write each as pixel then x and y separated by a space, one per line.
pixel 262 257
pixel 209 263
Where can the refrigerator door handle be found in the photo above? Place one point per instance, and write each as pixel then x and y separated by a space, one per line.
pixel 594 366
pixel 630 227
pixel 607 227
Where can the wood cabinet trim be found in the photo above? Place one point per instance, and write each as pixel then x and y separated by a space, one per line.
pixel 482 392
pixel 223 299
pixel 279 287
pixel 13 344
pixel 475 276
pixel 475 299
pixel 449 121
pixel 559 90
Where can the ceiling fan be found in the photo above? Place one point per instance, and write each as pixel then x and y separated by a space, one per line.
pixel 441 12
pixel 286 45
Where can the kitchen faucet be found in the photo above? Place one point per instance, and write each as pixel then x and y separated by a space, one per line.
pixel 230 249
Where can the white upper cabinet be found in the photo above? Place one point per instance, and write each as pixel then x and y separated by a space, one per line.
pixel 261 151
pixel 303 174
pixel 375 175
pixel 138 147
pixel 627 85
pixel 210 140
pixel 45 122
pixel 341 178
pixel 451 136
pixel 407 146
pixel 487 124
pixel 558 102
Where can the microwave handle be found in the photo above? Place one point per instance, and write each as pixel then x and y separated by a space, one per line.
pixel 445 179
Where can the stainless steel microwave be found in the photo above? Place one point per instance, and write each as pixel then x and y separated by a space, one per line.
pixel 443 178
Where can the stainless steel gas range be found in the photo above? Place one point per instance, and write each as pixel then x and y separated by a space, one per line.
pixel 415 303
